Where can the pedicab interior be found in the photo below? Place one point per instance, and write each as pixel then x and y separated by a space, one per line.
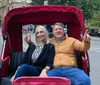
pixel 12 49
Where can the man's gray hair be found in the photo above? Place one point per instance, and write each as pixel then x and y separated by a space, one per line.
pixel 59 24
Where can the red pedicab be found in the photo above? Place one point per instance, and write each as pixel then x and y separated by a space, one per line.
pixel 12 49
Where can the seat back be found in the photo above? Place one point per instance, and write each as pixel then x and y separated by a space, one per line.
pixel 16 60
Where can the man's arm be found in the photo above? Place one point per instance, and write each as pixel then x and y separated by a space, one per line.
pixel 85 44
pixel 86 37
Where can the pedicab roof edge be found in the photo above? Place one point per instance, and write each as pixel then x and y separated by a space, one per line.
pixel 35 9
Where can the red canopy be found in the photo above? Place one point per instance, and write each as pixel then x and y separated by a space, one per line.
pixel 15 18
pixel 43 15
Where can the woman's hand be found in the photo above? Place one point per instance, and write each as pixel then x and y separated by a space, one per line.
pixel 27 38
pixel 43 73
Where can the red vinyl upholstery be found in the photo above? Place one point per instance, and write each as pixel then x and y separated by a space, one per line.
pixel 41 81
pixel 84 66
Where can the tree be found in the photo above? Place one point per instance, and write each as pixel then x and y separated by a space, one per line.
pixel 88 7
pixel 37 2
pixel 95 21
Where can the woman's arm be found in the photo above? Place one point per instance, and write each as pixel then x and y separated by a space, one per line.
pixel 50 56
pixel 28 53
pixel 49 60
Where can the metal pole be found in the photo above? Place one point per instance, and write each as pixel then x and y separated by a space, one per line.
pixel 2 54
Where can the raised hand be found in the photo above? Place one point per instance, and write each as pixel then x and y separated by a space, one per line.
pixel 86 36
pixel 27 38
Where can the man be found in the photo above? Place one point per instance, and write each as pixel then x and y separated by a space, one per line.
pixel 65 64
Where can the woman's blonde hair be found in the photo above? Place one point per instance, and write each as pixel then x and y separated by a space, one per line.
pixel 46 35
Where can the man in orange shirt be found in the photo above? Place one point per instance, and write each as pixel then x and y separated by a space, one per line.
pixel 65 64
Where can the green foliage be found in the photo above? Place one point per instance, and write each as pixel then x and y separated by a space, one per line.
pixel 37 2
pixel 88 7
pixel 95 21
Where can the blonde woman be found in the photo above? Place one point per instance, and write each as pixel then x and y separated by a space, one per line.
pixel 39 57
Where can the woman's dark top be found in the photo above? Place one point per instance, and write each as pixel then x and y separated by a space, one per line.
pixel 45 58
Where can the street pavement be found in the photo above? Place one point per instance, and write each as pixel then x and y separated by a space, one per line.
pixel 95 38
pixel 94 55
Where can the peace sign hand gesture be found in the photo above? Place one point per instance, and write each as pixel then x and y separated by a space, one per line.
pixel 27 38
pixel 86 36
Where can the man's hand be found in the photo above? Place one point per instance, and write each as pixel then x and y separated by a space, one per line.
pixel 86 36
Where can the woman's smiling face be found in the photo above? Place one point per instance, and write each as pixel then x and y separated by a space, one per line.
pixel 40 35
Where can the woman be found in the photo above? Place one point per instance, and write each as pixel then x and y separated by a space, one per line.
pixel 38 58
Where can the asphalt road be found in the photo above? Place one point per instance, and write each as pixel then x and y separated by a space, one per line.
pixel 94 54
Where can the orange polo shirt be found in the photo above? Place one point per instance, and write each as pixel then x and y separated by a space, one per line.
pixel 65 51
